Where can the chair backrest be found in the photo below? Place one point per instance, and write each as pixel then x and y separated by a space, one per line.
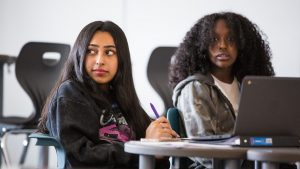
pixel 157 72
pixel 37 74
pixel 176 121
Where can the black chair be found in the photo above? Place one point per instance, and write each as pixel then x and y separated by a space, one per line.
pixel 47 140
pixel 157 72
pixel 37 74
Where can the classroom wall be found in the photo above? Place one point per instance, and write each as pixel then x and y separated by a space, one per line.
pixel 147 24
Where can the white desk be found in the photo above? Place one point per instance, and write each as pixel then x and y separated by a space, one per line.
pixel 148 150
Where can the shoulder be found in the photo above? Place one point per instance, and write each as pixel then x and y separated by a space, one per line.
pixel 195 80
pixel 196 84
pixel 71 90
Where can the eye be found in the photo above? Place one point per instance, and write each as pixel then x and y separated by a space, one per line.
pixel 91 51
pixel 110 52
pixel 230 39
pixel 215 39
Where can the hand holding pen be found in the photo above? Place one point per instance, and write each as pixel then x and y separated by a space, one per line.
pixel 160 128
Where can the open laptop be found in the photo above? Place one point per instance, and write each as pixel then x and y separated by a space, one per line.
pixel 269 113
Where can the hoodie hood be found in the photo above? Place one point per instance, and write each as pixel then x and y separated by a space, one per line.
pixel 208 79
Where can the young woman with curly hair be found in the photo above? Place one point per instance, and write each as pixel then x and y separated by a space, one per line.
pixel 208 67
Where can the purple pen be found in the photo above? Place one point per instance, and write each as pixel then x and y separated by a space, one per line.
pixel 154 110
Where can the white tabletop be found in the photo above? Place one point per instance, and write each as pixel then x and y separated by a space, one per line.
pixel 147 151
pixel 185 149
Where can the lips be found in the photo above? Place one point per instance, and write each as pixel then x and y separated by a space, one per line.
pixel 223 57
pixel 100 72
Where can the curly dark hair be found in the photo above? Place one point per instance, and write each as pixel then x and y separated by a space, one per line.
pixel 192 55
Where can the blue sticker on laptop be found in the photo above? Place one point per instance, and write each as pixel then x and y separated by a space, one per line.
pixel 261 141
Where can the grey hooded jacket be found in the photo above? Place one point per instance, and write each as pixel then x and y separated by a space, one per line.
pixel 203 107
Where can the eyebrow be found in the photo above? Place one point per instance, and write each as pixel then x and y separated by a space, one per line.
pixel 106 46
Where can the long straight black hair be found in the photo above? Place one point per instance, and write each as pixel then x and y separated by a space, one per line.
pixel 122 84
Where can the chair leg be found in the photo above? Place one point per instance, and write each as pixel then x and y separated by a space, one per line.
pixel 26 143
pixel 174 162
pixel 4 150
pixel 217 163
pixel 257 165
pixel 43 153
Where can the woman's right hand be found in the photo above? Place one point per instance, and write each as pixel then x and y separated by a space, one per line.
pixel 160 129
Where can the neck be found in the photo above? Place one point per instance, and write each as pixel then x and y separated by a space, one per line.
pixel 108 94
pixel 104 87
pixel 223 75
